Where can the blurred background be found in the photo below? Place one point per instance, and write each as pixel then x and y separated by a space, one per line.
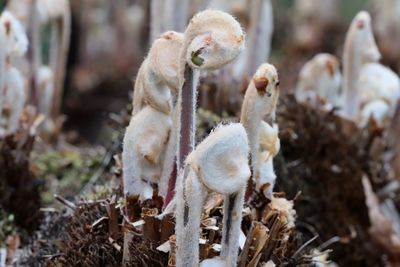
pixel 109 40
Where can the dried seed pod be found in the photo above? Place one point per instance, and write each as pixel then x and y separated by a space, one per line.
pixel 259 101
pixel 319 81
pixel 218 164
pixel 359 48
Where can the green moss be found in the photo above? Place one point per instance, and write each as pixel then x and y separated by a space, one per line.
pixel 66 172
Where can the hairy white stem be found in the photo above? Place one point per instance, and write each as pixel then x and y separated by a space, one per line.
pixel 259 101
pixel 359 48
pixel 212 39
pixel 319 81
pixel 233 205
pixel 218 164
pixel 190 198
pixel 170 155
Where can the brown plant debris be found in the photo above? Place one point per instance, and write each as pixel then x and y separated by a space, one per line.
pixel 19 188
pixel 325 158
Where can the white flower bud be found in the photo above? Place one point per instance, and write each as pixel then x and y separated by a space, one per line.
pixel 143 149
pixel 158 75
pixel 212 39
pixel 260 100
pixel 319 81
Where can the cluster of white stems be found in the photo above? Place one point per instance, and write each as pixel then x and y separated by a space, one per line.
pixel 367 91
pixel 22 78
pixel 160 136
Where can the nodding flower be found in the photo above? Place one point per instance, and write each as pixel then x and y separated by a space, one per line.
pixel 211 40
pixel 359 48
pixel 319 81
pixel 259 101
pixel 143 150
pixel 157 77
pixel 379 91
pixel 218 164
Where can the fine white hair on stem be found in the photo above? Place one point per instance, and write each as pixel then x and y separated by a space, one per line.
pixel 319 81
pixel 157 77
pixel 212 39
pixel 359 48
pixel 218 164
pixel 143 149
pixel 379 91
pixel 259 101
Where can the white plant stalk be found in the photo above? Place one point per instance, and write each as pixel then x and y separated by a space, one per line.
pixel 15 46
pixel 359 48
pixel 218 164
pixel 319 82
pixel 45 89
pixel 58 14
pixel 259 39
pixel 259 101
